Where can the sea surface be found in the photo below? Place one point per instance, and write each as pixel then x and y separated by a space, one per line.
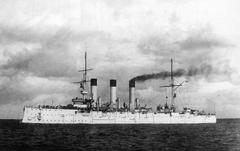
pixel 223 136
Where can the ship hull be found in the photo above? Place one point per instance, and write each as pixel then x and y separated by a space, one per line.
pixel 71 116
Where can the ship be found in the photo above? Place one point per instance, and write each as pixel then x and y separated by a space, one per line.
pixel 89 109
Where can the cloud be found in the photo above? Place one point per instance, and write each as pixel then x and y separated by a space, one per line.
pixel 54 55
pixel 194 53
pixel 201 40
pixel 24 87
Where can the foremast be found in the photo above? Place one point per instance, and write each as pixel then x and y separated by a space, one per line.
pixel 83 82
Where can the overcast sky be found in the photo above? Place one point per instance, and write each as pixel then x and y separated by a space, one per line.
pixel 42 46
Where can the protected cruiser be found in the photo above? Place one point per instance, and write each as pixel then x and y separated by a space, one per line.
pixel 88 109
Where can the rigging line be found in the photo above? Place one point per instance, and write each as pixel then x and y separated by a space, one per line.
pixel 181 97
pixel 176 81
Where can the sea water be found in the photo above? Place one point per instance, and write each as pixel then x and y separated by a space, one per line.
pixel 222 136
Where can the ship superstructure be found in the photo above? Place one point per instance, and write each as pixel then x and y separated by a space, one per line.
pixel 89 109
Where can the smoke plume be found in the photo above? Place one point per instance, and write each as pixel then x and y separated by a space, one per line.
pixel 203 70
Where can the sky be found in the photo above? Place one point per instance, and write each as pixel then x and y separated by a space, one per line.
pixel 42 45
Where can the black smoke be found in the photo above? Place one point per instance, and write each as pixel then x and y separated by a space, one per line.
pixel 204 70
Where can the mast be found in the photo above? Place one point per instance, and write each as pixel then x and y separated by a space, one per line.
pixel 84 92
pixel 83 82
pixel 85 70
pixel 172 85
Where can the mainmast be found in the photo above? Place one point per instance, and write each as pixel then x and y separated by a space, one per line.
pixel 85 70
pixel 172 84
